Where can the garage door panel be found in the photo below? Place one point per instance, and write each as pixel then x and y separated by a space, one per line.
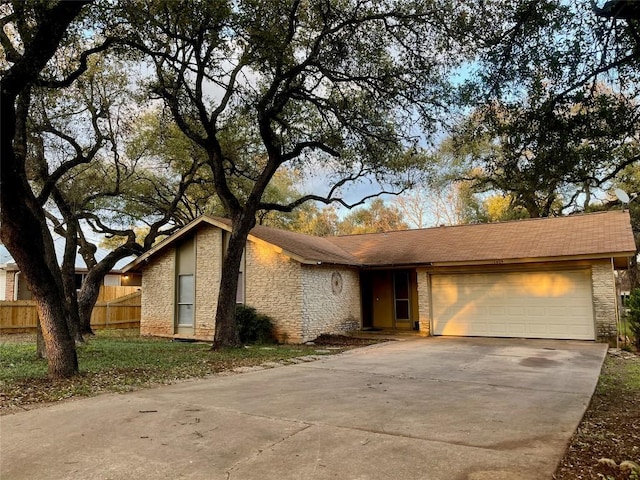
pixel 517 329
pixel 559 312
pixel 537 330
pixel 514 304
pixel 534 312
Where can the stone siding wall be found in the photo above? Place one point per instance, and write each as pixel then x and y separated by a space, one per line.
pixel 207 278
pixel 329 308
pixel 424 299
pixel 158 285
pixel 158 294
pixel 604 301
pixel 273 288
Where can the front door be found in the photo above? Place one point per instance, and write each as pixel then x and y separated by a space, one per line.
pixel 401 300
pixel 387 299
pixel 382 288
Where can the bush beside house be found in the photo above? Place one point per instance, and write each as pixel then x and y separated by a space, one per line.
pixel 633 304
pixel 254 327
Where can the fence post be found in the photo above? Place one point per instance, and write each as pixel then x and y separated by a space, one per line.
pixel 21 315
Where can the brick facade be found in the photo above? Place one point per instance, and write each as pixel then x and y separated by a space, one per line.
pixel 159 280
pixel 604 301
pixel 10 285
pixel 10 277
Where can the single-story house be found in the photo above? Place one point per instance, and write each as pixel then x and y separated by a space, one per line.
pixel 538 278
pixel 13 285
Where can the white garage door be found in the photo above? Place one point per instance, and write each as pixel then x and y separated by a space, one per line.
pixel 516 304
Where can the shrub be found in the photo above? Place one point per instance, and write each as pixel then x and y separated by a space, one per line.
pixel 253 327
pixel 634 315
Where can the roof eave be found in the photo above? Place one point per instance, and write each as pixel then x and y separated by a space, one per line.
pixel 172 238
pixel 561 258
pixel 281 250
pixel 295 256
pixel 212 221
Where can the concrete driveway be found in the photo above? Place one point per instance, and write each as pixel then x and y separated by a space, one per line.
pixel 435 408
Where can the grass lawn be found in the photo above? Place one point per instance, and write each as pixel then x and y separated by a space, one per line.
pixel 610 428
pixel 120 361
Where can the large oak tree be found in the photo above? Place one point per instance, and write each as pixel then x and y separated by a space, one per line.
pixel 557 104
pixel 65 168
pixel 24 228
pixel 341 88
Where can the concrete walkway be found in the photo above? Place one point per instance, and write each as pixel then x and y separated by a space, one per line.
pixel 434 408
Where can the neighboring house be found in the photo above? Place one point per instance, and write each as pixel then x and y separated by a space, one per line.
pixel 538 278
pixel 13 286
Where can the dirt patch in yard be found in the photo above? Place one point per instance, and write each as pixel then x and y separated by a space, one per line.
pixel 17 338
pixel 609 434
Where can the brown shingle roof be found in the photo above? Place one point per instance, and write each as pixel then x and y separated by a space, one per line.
pixel 308 247
pixel 303 248
pixel 590 235
pixel 596 235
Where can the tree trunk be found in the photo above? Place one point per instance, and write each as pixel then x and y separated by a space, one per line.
pixel 86 301
pixel 68 271
pixel 23 227
pixel 226 331
pixel 532 208
pixel 24 231
pixel 59 345
pixel 51 305
pixel 40 348
pixel 634 273
pixel 90 290
pixel 634 268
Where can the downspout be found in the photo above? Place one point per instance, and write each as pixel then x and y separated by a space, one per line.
pixel 16 287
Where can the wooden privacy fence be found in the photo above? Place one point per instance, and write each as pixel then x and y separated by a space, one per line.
pixel 108 293
pixel 122 312
pixel 19 316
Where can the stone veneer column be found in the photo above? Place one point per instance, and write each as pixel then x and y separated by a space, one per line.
pixel 208 258
pixel 604 301
pixel 158 280
pixel 424 301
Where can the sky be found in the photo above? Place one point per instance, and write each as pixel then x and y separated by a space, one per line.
pixel 58 242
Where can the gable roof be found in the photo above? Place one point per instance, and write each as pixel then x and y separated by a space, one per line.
pixel 588 236
pixel 595 235
pixel 303 248
pixel 309 248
